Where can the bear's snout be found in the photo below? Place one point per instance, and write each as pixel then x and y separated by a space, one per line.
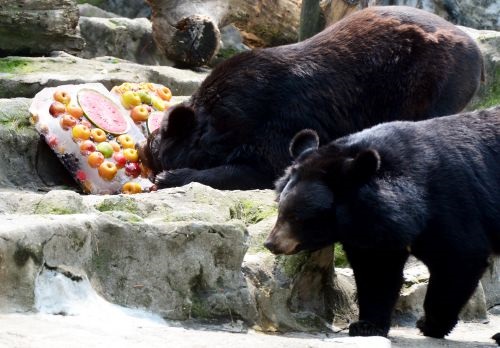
pixel 280 240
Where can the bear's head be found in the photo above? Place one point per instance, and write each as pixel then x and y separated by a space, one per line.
pixel 180 142
pixel 313 191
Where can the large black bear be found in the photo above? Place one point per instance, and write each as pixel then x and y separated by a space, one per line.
pixel 429 188
pixel 368 68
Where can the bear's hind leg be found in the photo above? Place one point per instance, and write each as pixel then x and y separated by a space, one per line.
pixel 452 282
pixel 379 276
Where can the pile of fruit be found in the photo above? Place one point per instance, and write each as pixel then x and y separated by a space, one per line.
pixel 95 132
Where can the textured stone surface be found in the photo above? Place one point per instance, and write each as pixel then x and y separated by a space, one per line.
pixel 38 27
pixel 129 39
pixel 27 76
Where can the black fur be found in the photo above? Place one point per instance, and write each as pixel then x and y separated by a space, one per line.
pixel 429 188
pixel 379 64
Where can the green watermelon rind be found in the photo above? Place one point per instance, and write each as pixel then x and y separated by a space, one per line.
pixel 152 117
pixel 108 100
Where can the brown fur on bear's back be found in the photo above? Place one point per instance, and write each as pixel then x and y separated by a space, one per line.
pixel 379 64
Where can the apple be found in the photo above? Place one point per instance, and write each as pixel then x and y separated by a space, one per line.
pixel 80 175
pixel 62 97
pixel 95 159
pixel 57 108
pixel 105 148
pixel 130 99
pixel 131 155
pixel 140 113
pixel 126 141
pixel 115 145
pixel 132 169
pixel 164 93
pixel 145 97
pixel 107 170
pixel 52 141
pixel 86 147
pixel 98 135
pixel 67 122
pixel 75 111
pixel 80 132
pixel 119 159
pixel 131 187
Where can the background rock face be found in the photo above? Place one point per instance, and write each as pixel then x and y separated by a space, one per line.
pixel 129 39
pixel 478 14
pixel 38 27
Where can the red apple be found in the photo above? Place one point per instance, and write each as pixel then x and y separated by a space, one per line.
pixel 120 159
pixel 57 108
pixel 86 147
pixel 67 122
pixel 132 169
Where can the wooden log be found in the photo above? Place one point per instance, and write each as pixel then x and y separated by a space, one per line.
pixel 187 38
pixel 263 22
pixel 38 27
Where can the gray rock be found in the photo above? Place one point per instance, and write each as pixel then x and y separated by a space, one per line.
pixel 127 8
pixel 27 76
pixel 88 10
pixel 479 14
pixel 489 92
pixel 39 27
pixel 129 39
pixel 181 270
pixel 491 283
pixel 27 162
pixel 231 44
pixel 410 303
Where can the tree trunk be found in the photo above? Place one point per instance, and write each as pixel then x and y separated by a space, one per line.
pixel 275 22
pixel 335 10
pixel 262 22
pixel 188 36
pixel 312 19
pixel 38 27
pixel 318 14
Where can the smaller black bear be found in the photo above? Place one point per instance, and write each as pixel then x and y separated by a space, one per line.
pixel 428 188
pixel 368 68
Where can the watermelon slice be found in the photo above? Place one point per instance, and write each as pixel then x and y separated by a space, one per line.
pixel 154 120
pixel 102 111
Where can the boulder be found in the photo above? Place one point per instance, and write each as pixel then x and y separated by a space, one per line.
pixel 489 92
pixel 38 27
pixel 491 283
pixel 88 10
pixel 129 39
pixel 126 8
pixel 25 76
pixel 409 306
pixel 479 14
pixel 27 162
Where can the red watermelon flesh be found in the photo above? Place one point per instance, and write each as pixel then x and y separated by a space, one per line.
pixel 102 111
pixel 154 120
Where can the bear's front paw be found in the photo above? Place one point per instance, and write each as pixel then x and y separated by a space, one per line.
pixel 434 329
pixel 365 328
pixel 173 178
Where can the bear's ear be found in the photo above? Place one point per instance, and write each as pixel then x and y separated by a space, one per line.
pixel 363 166
pixel 180 120
pixel 305 140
